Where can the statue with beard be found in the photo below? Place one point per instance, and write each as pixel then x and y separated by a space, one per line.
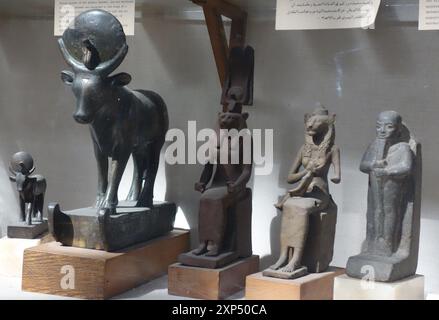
pixel 393 163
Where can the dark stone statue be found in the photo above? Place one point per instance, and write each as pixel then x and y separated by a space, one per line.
pixel 31 189
pixel 122 122
pixel 309 214
pixel 393 163
pixel 224 224
pixel 225 211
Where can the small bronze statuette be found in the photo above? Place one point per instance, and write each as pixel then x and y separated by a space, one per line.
pixel 394 165
pixel 31 189
pixel 309 214
pixel 122 122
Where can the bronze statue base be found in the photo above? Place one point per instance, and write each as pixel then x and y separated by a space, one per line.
pixel 88 228
pixel 222 260
pixel 302 271
pixel 25 231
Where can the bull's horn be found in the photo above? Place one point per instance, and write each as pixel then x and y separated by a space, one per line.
pixel 109 66
pixel 12 170
pixel 76 65
pixel 32 170
pixel 12 175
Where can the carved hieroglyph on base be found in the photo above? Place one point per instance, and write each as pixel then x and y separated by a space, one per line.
pixel 309 214
pixel 394 165
pixel 122 122
pixel 31 189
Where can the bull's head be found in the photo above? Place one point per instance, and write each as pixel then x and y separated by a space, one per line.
pixel 90 80
pixel 21 178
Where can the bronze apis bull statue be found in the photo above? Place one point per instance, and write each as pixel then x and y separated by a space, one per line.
pixel 31 188
pixel 122 121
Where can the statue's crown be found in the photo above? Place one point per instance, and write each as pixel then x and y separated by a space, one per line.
pixel 320 110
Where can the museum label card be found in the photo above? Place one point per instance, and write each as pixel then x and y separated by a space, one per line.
pixel 325 14
pixel 428 14
pixel 67 10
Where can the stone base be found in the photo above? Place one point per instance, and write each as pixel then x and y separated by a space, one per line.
pixel 286 275
pixel 93 274
pixel 88 228
pixel 190 259
pixel 386 269
pixel 211 284
pixel 11 255
pixel 24 231
pixel 347 288
pixel 314 286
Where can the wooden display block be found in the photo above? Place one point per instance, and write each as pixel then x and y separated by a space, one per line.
pixel 95 274
pixel 314 286
pixel 211 284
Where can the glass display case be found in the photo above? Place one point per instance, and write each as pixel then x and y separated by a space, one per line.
pixel 198 67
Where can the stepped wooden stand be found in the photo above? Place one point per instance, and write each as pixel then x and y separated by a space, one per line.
pixel 94 274
pixel 211 284
pixel 314 286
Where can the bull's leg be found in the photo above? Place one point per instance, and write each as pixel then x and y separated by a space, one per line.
pixel 102 164
pixel 117 168
pixel 31 212
pixel 39 207
pixel 136 184
pixel 153 159
pixel 22 210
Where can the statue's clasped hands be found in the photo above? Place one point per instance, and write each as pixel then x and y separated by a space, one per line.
pixel 379 168
pixel 200 187
pixel 232 187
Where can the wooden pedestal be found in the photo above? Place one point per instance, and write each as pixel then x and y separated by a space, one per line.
pixel 314 286
pixel 94 274
pixel 211 284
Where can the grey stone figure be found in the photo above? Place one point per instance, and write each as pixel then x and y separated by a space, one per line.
pixel 31 189
pixel 394 165
pixel 122 122
pixel 309 214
